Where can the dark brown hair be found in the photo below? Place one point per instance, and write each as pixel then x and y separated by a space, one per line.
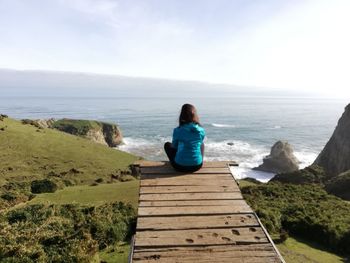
pixel 188 114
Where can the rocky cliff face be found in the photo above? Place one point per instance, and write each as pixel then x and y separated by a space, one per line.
pixel 335 156
pixel 280 160
pixel 112 134
pixel 100 132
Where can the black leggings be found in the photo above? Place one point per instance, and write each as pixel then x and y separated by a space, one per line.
pixel 171 153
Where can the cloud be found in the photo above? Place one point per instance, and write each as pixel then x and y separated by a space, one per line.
pixel 106 8
pixel 280 44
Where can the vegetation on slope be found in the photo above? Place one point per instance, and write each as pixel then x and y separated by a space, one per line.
pixel 29 153
pixel 306 211
pixel 296 250
pixel 62 233
pixel 84 220
pixel 76 127
pixel 340 185
pixel 313 174
pixel 126 192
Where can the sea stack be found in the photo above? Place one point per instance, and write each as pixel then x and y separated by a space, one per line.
pixel 280 160
pixel 335 156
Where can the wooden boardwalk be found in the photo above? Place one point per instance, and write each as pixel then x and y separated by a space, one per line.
pixel 198 217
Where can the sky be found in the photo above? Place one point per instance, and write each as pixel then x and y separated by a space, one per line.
pixel 285 45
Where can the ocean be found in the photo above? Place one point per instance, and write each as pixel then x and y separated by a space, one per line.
pixel 240 129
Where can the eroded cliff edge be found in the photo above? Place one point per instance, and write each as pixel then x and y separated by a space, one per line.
pixel 335 156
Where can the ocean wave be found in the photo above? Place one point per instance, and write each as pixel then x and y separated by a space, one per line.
pixel 276 127
pixel 218 125
pixel 305 158
pixel 245 154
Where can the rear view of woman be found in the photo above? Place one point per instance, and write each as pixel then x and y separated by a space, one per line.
pixel 187 149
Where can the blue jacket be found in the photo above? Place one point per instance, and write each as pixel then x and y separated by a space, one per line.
pixel 188 139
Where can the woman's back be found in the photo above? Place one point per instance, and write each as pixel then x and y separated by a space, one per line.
pixel 188 139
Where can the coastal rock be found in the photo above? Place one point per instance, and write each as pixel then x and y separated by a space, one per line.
pixel 96 136
pixel 280 160
pixel 45 123
pixel 335 156
pixel 100 132
pixel 40 123
pixel 112 134
pixel 3 116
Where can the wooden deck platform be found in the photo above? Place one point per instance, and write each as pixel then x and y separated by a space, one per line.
pixel 197 217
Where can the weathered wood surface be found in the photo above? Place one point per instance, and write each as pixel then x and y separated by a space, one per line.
pixel 196 222
pixel 197 217
pixel 172 203
pixel 252 253
pixel 214 164
pixel 191 196
pixel 200 237
pixel 194 210
pixel 189 189
pixel 221 181
pixel 170 170
pixel 184 177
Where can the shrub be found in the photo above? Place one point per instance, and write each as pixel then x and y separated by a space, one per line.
pixel 340 185
pixel 8 196
pixel 63 233
pixel 43 186
pixel 313 174
pixel 307 211
pixel 99 180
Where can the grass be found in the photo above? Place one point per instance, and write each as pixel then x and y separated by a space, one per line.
pixel 118 253
pixel 93 195
pixel 245 182
pixel 77 127
pixel 298 250
pixel 29 153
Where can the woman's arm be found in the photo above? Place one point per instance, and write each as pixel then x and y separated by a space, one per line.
pixel 175 141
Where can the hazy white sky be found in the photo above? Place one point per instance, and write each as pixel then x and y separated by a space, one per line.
pixel 299 45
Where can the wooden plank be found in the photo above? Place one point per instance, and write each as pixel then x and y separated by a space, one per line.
pixel 190 196
pixel 238 253
pixel 214 164
pixel 193 222
pixel 189 189
pixel 193 210
pixel 210 258
pixel 188 181
pixel 192 203
pixel 169 170
pixel 186 176
pixel 200 237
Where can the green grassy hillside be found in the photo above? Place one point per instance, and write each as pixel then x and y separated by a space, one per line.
pixel 29 153
pixel 126 192
pixel 88 219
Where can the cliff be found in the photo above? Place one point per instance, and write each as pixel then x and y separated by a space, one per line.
pixel 335 156
pixel 100 132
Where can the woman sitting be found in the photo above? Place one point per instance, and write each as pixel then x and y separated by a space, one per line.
pixel 187 149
